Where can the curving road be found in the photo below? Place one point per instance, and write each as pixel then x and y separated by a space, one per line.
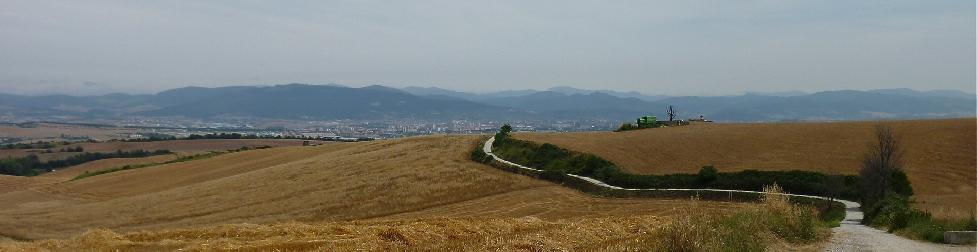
pixel 851 235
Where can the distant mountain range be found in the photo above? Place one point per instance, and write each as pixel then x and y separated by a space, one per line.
pixel 434 91
pixel 302 101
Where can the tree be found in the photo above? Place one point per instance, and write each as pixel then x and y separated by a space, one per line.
pixel 834 186
pixel 626 127
pixel 881 172
pixel 503 132
pixel 502 135
pixel 505 129
pixel 707 175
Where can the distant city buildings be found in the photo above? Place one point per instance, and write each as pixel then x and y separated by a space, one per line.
pixel 148 127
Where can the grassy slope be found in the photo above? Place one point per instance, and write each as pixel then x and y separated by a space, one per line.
pixel 939 155
pixel 409 178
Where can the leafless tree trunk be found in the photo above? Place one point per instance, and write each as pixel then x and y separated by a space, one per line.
pixel 883 158
pixel 834 183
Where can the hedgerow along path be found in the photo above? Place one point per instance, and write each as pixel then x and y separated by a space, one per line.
pixel 851 235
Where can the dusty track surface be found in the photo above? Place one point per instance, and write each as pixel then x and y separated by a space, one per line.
pixel 939 154
pixel 381 181
pixel 853 236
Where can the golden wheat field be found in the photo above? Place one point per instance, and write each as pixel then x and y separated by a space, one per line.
pixel 441 234
pixel 939 155
pixel 336 195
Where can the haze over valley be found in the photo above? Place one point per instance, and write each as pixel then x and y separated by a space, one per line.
pixel 415 110
pixel 214 125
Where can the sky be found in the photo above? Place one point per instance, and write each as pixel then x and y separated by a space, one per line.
pixel 654 47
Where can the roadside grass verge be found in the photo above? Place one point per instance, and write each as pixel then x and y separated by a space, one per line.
pixel 753 228
pixel 896 215
pixel 177 160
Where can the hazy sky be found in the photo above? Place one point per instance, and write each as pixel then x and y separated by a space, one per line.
pixel 655 47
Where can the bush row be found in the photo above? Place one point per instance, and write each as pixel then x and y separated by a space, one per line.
pixel 32 165
pixel 896 214
pixel 552 158
pixel 830 211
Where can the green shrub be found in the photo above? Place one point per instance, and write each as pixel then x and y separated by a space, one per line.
pixel 479 156
pixel 899 183
pixel 627 126
pixel 833 214
pixel 971 224
pixel 707 175
pixel 896 214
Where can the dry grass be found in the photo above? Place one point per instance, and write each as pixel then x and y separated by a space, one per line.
pixel 940 154
pixel 458 234
pixel 403 179
pixel 774 223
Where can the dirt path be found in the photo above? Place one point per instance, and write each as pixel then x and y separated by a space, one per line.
pixel 853 236
pixel 850 236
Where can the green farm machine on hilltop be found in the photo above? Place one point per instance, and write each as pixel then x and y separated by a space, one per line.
pixel 647 121
pixel 650 121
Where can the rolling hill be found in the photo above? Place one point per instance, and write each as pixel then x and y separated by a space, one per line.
pixel 939 154
pixel 386 182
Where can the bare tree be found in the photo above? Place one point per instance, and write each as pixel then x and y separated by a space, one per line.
pixel 671 113
pixel 834 184
pixel 882 160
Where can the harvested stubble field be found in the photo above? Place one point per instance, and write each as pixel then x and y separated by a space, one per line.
pixel 15 153
pixel 442 234
pixel 188 146
pixel 334 191
pixel 939 155
pixel 179 146
pixel 53 131
pixel 74 171
pixel 17 183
